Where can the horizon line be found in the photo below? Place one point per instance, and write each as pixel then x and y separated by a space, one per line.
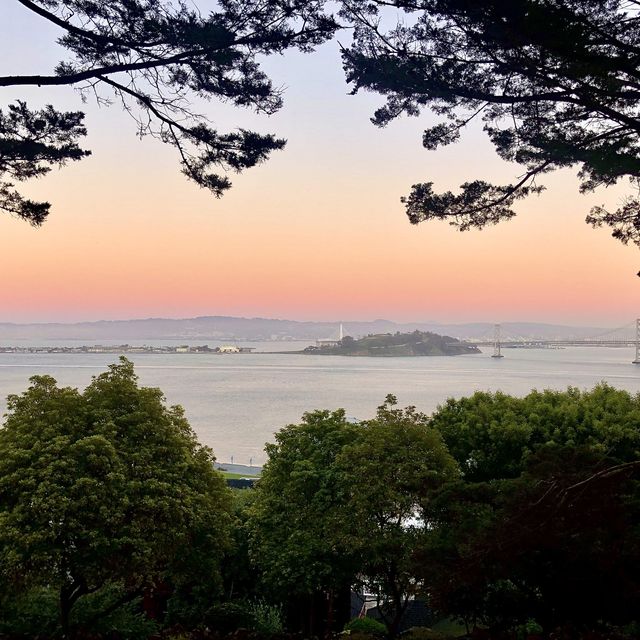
pixel 298 321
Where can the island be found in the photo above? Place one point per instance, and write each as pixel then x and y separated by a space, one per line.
pixel 417 343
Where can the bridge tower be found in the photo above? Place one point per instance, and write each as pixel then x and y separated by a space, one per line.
pixel 636 360
pixel 497 342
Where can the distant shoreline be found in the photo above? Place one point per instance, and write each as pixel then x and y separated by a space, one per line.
pixel 117 351
pixel 130 349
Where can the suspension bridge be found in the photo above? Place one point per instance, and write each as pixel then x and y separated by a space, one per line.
pixel 626 336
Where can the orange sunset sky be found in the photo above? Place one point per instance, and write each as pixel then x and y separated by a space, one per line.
pixel 318 232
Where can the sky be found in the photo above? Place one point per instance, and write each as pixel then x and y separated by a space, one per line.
pixel 316 233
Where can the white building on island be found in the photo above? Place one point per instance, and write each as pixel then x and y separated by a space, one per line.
pixel 229 349
pixel 331 342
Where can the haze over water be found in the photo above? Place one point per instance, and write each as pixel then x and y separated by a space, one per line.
pixel 236 403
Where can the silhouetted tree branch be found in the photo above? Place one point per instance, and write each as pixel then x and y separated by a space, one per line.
pixel 557 84
pixel 156 57
pixel 30 143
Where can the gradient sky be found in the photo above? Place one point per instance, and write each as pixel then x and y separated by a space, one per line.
pixel 318 232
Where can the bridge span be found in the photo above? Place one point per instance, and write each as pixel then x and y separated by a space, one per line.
pixel 603 340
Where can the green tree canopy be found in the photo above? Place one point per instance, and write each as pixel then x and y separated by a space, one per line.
pixel 105 487
pixel 156 58
pixel 300 520
pixel 392 471
pixel 492 434
pixel 341 505
pixel 555 82
pixel 543 523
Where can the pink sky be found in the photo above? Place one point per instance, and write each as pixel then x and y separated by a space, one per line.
pixel 316 233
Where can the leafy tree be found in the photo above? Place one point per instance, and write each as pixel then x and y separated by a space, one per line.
pixel 491 435
pixel 341 504
pixel 566 538
pixel 240 575
pixel 155 58
pixel 558 545
pixel 301 522
pixel 105 491
pixel 392 471
pixel 543 524
pixel 555 83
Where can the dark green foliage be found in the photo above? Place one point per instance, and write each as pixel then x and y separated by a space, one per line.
pixel 155 58
pixel 106 489
pixel 301 526
pixel 368 626
pixel 30 143
pixel 521 515
pixel 555 84
pixel 29 613
pixel 492 434
pixel 300 519
pixel 341 504
pixel 545 524
pixel 424 633
pixel 35 614
pixel 392 471
pixel 239 573
pixel 226 617
pixel 128 621
pixel 267 618
pixel 506 512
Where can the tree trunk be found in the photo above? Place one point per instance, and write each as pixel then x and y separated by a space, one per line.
pixel 65 611
pixel 69 594
pixel 399 607
pixel 342 607
pixel 329 629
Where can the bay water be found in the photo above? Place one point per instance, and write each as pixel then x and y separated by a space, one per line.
pixel 236 402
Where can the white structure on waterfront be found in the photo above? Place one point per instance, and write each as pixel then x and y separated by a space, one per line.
pixel 331 342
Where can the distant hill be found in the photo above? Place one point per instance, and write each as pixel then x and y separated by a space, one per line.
pixel 416 343
pixel 232 328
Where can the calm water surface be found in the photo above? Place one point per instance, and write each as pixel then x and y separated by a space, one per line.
pixel 236 402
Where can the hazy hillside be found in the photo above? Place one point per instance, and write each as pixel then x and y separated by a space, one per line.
pixel 227 327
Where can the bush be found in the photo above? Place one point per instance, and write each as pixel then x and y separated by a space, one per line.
pixel 29 614
pixel 529 628
pixel 35 614
pixel 127 622
pixel 424 633
pixel 358 635
pixel 226 617
pixel 267 618
pixel 368 626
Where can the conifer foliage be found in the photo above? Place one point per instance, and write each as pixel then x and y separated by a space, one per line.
pixel 156 58
pixel 556 83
